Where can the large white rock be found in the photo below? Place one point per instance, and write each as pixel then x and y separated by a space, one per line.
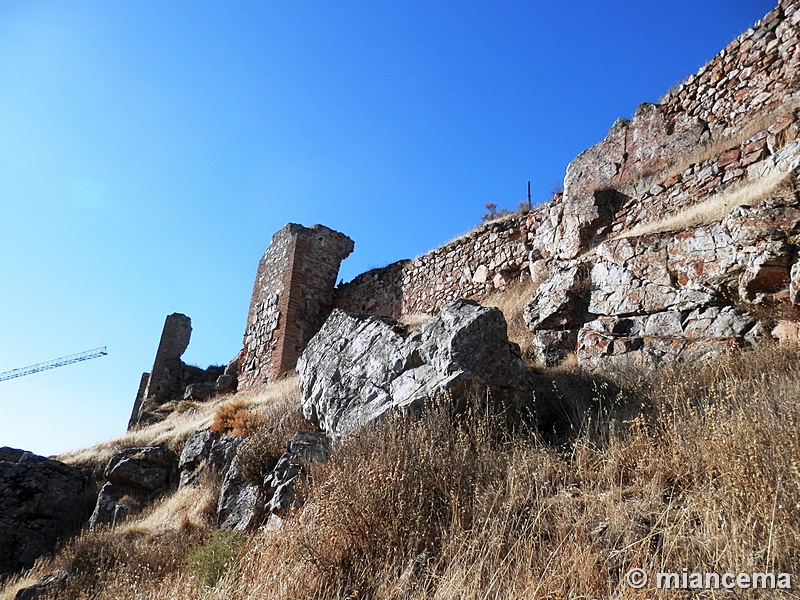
pixel 358 367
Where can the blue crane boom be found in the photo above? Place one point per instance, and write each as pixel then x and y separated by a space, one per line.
pixel 52 364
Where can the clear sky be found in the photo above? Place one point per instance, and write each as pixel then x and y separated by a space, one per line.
pixel 149 150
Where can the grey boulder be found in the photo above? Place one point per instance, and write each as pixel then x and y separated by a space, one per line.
pixel 195 454
pixel 241 504
pixel 358 367
pixel 134 476
pixel 281 484
pixel 38 498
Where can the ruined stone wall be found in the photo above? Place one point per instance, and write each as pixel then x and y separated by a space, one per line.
pixel 170 377
pixel 292 296
pixel 164 382
pixel 699 253
pixel 376 292
pixel 262 336
pixel 731 124
pixel 745 94
pixel 726 139
pixel 471 266
pixel 468 267
pixel 675 236
pixel 165 378
pixel 753 74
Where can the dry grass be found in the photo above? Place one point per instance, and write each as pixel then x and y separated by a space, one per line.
pixel 718 206
pixel 268 402
pixel 697 467
pixel 704 476
pixel 190 508
pixel 12 585
pixel 234 418
pixel 260 454
pixel 413 321
pixel 512 301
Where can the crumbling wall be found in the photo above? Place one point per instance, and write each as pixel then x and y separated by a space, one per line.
pixel 376 292
pixel 484 260
pixel 752 75
pixel 732 125
pixel 629 256
pixel 168 379
pixel 746 94
pixel 697 250
pixel 293 293
pixel 166 376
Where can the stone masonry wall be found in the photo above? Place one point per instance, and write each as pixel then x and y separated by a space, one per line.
pixel 376 292
pixel 725 141
pixel 471 266
pixel 170 376
pixel 292 296
pixel 749 88
pixel 164 382
pixel 753 74
pixel 731 123
pixel 165 378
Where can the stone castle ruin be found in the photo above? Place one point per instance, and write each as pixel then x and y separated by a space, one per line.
pixel 675 238
pixel 172 379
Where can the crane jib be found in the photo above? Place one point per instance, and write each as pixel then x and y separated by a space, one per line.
pixel 52 364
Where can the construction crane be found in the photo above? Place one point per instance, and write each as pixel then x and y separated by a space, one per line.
pixel 52 364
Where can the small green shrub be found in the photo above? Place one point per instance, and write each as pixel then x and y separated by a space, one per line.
pixel 209 561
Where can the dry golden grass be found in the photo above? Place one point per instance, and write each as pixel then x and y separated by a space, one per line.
pixel 233 418
pixel 697 466
pixel 267 402
pixel 718 206
pixel 704 476
pixel 512 301
pixel 9 588
pixel 413 321
pixel 191 507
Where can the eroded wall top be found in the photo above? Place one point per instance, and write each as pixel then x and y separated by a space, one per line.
pixel 292 296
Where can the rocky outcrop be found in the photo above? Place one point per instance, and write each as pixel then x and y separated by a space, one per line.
pixel 38 499
pixel 205 452
pixel 359 367
pixel 134 477
pixel 283 483
pixel 671 296
pixel 241 503
pixel 195 453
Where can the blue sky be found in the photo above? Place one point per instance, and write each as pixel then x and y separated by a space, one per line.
pixel 149 150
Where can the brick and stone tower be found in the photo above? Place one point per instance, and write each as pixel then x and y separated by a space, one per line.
pixel 293 294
